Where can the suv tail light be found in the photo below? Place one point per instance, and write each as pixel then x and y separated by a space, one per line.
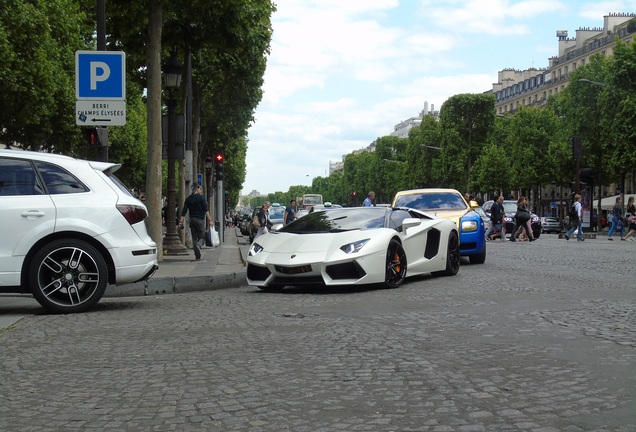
pixel 132 213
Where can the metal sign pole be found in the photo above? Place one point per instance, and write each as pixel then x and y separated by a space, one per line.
pixel 220 207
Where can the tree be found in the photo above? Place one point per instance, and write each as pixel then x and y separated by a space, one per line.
pixel 620 117
pixel 38 40
pixel 129 143
pixel 229 41
pixel 449 169
pixel 584 106
pixel 389 167
pixel 470 117
pixel 530 135
pixel 492 169
pixel 423 148
pixel 154 169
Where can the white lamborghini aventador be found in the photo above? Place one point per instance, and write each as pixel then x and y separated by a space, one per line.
pixel 354 246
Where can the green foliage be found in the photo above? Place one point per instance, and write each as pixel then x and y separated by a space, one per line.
pixel 466 121
pixel 128 144
pixel 529 138
pixel 620 117
pixel 38 40
pixel 422 149
pixel 229 40
pixel 492 169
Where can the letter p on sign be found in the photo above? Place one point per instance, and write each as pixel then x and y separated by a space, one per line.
pixel 100 75
pixel 99 72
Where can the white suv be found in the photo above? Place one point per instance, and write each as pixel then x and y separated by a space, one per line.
pixel 69 228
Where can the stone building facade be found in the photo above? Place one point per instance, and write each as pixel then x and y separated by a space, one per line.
pixel 533 87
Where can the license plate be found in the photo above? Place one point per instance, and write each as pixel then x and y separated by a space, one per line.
pixel 293 270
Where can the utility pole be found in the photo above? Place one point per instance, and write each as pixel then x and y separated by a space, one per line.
pixel 102 150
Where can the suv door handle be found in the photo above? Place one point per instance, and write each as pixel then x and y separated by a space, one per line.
pixel 33 214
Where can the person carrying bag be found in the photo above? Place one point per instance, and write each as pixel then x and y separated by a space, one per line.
pixel 263 220
pixel 522 220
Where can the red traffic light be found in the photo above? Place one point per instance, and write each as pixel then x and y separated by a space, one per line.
pixel 218 157
pixel 96 137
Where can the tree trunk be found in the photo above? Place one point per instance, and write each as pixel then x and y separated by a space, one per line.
pixel 153 170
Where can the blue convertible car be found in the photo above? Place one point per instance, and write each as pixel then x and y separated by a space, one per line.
pixel 450 204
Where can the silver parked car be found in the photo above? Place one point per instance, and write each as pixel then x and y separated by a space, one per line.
pixel 69 228
pixel 550 225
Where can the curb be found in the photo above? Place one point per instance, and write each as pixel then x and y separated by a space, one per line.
pixel 185 284
pixel 179 285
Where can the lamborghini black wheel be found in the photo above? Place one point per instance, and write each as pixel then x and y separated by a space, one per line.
pixel 395 265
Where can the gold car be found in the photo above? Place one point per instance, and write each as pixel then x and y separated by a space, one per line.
pixel 450 204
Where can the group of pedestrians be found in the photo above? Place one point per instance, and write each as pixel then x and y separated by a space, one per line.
pixel 619 221
pixel 522 229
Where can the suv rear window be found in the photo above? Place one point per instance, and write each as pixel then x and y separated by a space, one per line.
pixel 59 181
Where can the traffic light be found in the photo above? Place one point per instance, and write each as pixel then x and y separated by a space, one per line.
pixel 577 147
pixel 218 164
pixel 586 175
pixel 96 136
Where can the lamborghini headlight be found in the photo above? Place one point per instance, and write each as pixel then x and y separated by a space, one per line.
pixel 469 225
pixel 354 246
pixel 254 249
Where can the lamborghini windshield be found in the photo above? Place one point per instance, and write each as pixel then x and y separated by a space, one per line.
pixel 338 219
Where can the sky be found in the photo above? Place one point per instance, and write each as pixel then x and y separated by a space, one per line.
pixel 342 73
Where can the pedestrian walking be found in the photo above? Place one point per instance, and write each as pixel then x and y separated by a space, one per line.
pixel 617 220
pixel 197 206
pixel 290 213
pixel 575 220
pixel 496 221
pixel 368 201
pixel 264 224
pixel 522 221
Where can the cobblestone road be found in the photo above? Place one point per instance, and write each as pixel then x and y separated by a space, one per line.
pixel 541 338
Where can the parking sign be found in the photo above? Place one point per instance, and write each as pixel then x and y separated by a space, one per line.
pixel 100 75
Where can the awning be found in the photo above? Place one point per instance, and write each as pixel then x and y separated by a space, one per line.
pixel 608 203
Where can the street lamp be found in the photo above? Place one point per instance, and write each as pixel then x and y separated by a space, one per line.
pixel 598 83
pixel 553 202
pixel 172 80
pixel 209 165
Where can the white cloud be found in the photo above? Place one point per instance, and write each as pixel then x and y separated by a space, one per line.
pixel 594 10
pixel 495 17
pixel 343 72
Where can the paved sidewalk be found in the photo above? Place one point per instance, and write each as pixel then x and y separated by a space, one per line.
pixel 219 267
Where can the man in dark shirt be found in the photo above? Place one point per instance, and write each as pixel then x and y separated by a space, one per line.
pixel 496 218
pixel 290 213
pixel 197 205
